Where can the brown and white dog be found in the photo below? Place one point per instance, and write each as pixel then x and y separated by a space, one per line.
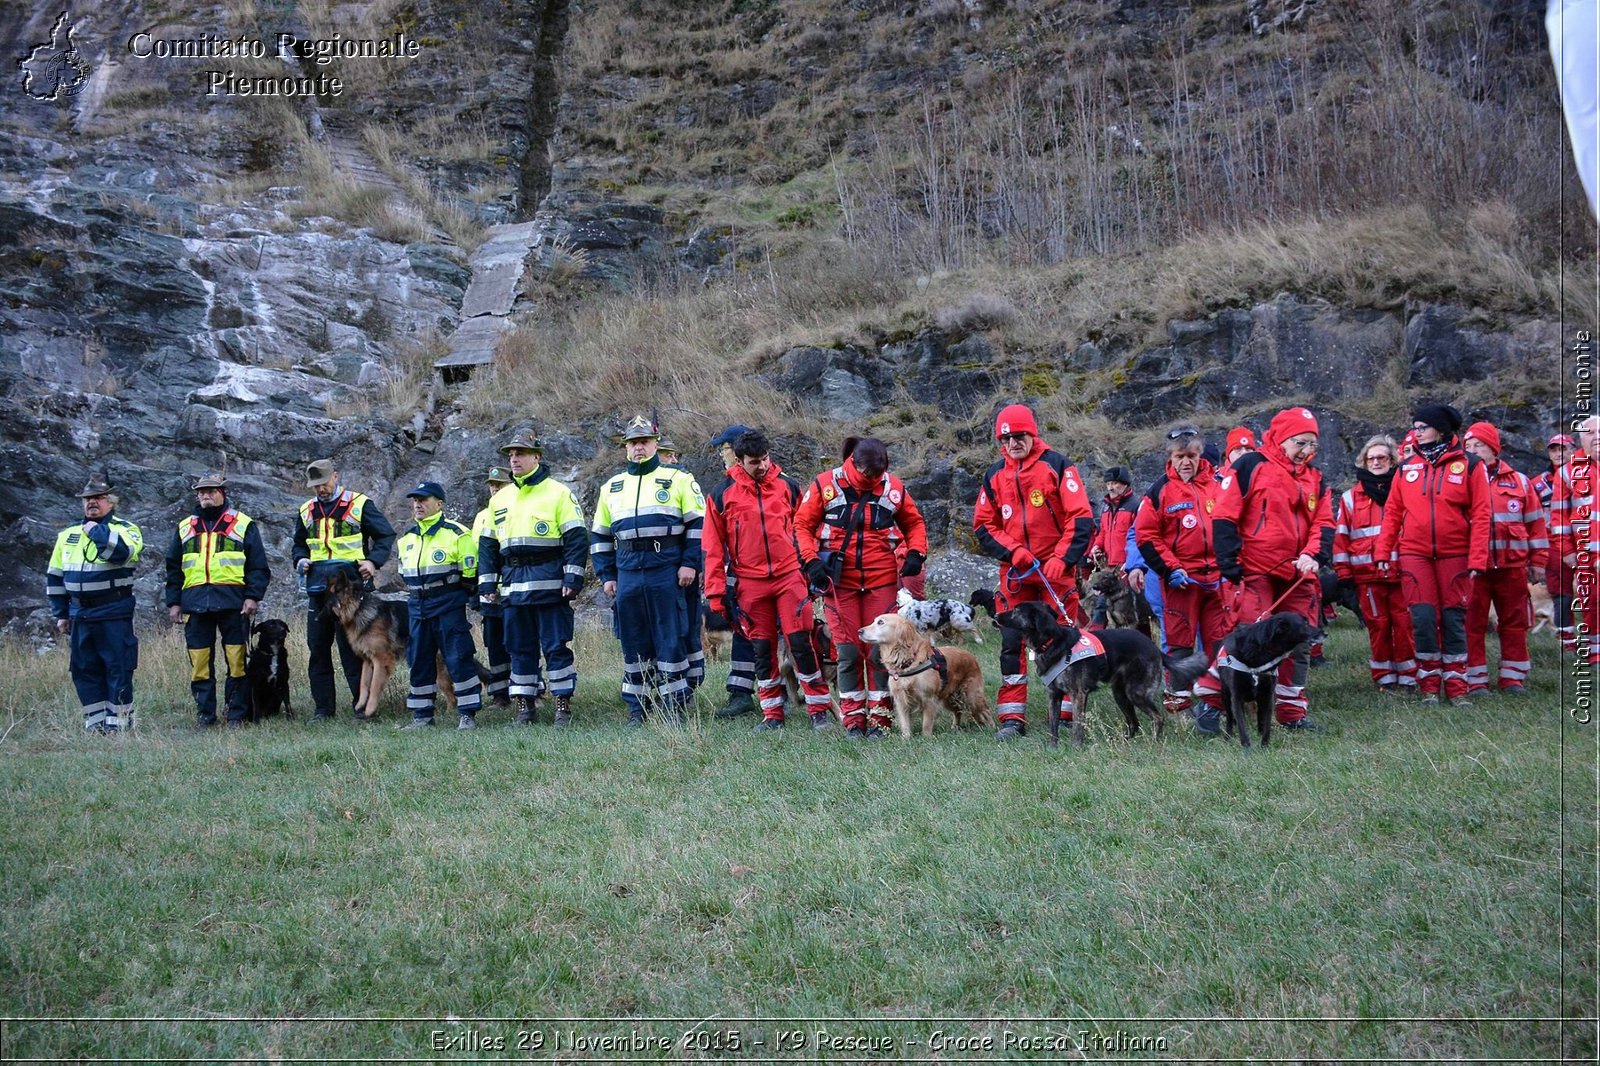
pixel 919 683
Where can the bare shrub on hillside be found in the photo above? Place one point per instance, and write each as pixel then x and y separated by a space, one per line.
pixel 979 311
pixel 1032 171
pixel 691 348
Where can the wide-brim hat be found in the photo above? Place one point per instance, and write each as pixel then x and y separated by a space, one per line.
pixel 98 485
pixel 523 440
pixel 319 472
pixel 667 445
pixel 640 427
pixel 210 481
pixel 500 474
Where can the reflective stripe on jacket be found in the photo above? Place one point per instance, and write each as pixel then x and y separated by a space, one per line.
pixel 535 544
pixel 1173 528
pixel 91 574
pixel 333 530
pixel 864 524
pixel 216 565
pixel 1518 536
pixel 1355 538
pixel 1439 510
pixel 1038 503
pixel 648 516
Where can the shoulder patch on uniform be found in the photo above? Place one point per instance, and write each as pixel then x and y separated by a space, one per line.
pixel 615 486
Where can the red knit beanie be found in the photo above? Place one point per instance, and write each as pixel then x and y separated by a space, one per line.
pixel 1485 432
pixel 1015 418
pixel 1291 422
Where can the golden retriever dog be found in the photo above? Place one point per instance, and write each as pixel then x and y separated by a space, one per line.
pixel 923 678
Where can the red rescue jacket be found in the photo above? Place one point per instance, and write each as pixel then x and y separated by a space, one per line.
pixel 1355 538
pixel 841 511
pixel 1269 513
pixel 1439 510
pixel 1173 529
pixel 1518 536
pixel 749 528
pixel 1038 503
pixel 1111 536
pixel 1572 504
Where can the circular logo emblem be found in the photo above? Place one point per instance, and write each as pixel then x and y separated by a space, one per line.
pixel 1005 427
pixel 1005 511
pixel 662 496
pixel 827 492
pixel 1411 475
pixel 894 495
pixel 1227 481
pixel 1072 486
pixel 541 529
pixel 1457 467
pixel 438 555
pixel 1190 521
pixel 1036 498
pixel 1513 505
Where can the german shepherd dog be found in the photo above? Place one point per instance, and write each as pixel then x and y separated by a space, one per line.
pixel 1131 665
pixel 1125 608
pixel 1247 668
pixel 378 631
pixel 827 659
pixel 266 672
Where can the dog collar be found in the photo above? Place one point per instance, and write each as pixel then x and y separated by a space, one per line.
pixel 935 661
pixel 1231 663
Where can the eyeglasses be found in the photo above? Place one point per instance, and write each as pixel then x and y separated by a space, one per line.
pixel 1013 438
pixel 1379 457
pixel 1303 445
pixel 1419 426
pixel 1182 433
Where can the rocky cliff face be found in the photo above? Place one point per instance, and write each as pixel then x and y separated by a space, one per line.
pixel 170 302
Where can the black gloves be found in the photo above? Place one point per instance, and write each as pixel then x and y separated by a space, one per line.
pixel 913 564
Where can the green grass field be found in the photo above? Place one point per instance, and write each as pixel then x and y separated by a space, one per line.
pixel 1413 883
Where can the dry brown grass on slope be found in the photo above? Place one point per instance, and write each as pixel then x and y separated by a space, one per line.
pixel 696 352
pixel 684 351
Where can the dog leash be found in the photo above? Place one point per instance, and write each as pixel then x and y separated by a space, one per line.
pixel 1014 582
pixel 1280 599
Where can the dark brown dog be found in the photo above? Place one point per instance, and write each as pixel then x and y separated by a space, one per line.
pixel 1128 662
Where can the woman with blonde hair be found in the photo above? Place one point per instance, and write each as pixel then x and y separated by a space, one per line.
pixel 1355 538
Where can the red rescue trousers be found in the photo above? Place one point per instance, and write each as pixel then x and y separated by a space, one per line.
pixel 1257 594
pixel 1388 622
pixel 863 681
pixel 1438 590
pixel 1507 589
pixel 773 609
pixel 1013 696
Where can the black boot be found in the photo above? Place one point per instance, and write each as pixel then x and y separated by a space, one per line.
pixel 739 703
pixel 525 711
pixel 563 711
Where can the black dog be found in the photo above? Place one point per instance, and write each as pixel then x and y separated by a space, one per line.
pixel 1127 661
pixel 982 598
pixel 1248 668
pixel 266 674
